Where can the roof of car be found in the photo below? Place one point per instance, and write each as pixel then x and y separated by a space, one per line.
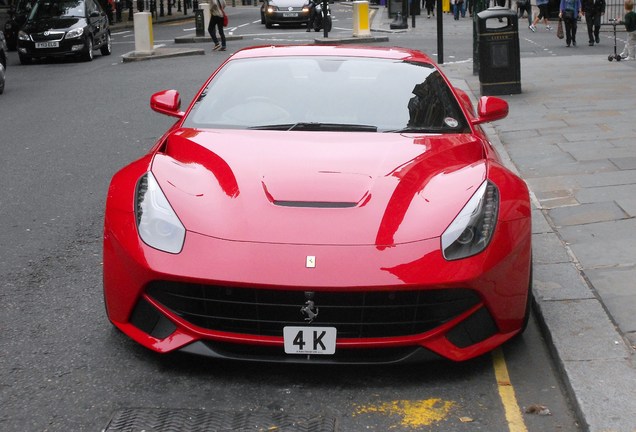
pixel 394 53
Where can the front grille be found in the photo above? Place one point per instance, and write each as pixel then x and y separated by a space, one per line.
pixel 50 36
pixel 265 312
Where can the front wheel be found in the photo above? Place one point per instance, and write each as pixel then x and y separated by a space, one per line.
pixel 107 47
pixel 529 303
pixel 328 24
pixel 25 59
pixel 88 54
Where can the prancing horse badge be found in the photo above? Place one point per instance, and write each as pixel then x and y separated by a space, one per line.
pixel 310 262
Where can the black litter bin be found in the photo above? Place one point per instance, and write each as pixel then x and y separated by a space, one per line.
pixel 498 47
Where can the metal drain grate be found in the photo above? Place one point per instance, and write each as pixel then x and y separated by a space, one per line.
pixel 172 420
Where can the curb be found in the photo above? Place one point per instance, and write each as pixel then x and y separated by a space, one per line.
pixel 160 53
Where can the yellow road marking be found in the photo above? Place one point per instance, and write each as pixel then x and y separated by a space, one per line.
pixel 507 393
pixel 414 414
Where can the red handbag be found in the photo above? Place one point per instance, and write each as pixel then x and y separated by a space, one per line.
pixel 226 20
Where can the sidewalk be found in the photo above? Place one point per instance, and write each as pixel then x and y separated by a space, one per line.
pixel 571 134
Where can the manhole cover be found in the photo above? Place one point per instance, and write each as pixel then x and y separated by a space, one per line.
pixel 172 420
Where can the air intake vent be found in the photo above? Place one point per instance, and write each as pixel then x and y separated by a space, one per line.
pixel 315 204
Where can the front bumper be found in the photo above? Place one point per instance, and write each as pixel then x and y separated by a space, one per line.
pixel 285 17
pixel 67 47
pixel 498 278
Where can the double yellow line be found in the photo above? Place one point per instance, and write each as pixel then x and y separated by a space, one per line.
pixel 507 393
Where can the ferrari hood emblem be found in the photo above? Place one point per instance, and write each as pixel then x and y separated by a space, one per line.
pixel 310 262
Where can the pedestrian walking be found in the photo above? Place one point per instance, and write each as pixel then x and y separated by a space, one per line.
pixel 458 8
pixel 593 10
pixel 429 5
pixel 525 6
pixel 569 12
pixel 217 11
pixel 629 52
pixel 543 15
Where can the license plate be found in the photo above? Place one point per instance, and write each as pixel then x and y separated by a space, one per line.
pixel 290 14
pixel 54 44
pixel 310 340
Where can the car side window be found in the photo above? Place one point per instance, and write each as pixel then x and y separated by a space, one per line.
pixel 91 7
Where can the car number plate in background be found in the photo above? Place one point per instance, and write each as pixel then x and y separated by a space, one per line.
pixel 309 340
pixel 290 14
pixel 47 44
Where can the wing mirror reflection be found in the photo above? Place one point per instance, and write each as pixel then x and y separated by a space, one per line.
pixel 490 108
pixel 167 102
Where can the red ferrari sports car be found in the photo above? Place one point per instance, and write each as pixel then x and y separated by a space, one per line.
pixel 368 222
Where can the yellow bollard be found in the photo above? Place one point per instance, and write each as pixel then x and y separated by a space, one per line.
pixel 361 18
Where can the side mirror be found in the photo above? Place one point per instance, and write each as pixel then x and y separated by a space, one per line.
pixel 167 102
pixel 94 14
pixel 490 108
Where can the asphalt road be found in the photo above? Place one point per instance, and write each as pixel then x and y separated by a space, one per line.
pixel 65 128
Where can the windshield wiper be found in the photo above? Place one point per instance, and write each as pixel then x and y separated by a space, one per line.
pixel 412 129
pixel 311 126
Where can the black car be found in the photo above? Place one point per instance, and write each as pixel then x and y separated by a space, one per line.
pixel 17 17
pixel 57 28
pixel 284 12
pixel 3 61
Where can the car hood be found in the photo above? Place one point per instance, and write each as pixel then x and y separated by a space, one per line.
pixel 318 187
pixel 56 23
pixel 288 3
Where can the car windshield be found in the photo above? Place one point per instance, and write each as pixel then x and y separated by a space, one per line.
pixel 23 7
pixel 328 94
pixel 57 8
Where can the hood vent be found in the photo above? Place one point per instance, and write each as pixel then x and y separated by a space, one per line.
pixel 315 204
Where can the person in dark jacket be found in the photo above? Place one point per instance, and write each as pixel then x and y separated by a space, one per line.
pixel 569 12
pixel 593 10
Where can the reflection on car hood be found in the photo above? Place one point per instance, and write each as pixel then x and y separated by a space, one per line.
pixel 288 3
pixel 318 187
pixel 59 23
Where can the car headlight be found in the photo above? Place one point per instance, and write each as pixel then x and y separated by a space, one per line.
pixel 75 33
pixel 23 36
pixel 473 227
pixel 271 9
pixel 158 225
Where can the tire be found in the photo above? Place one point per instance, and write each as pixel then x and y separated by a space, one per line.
pixel 107 47
pixel 25 59
pixel 529 303
pixel 1 78
pixel 268 24
pixel 328 24
pixel 88 54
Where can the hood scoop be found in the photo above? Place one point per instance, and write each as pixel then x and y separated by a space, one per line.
pixel 329 190
pixel 314 204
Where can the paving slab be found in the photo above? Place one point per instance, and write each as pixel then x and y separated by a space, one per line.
pixel 587 213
